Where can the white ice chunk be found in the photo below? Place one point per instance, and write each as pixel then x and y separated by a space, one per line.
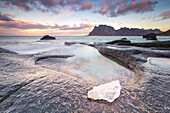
pixel 109 91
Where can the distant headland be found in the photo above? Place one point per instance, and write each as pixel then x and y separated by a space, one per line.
pixel 104 30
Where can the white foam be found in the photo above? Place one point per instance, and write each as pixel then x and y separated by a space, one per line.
pixel 36 47
pixel 109 91
pixel 111 47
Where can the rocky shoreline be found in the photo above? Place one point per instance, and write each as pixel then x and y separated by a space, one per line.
pixel 133 57
pixel 27 87
pixel 152 80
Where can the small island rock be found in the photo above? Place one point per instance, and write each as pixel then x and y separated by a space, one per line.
pixel 151 36
pixel 47 37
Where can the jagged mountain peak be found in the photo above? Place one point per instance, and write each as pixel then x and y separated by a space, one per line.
pixel 105 30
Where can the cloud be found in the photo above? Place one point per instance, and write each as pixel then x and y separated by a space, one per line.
pixel 103 10
pixel 86 6
pixel 115 8
pixel 5 17
pixel 67 27
pixel 137 7
pixel 22 4
pixel 50 3
pixel 165 15
pixel 22 25
pixel 110 8
pixel 85 19
pixel 54 6
pixel 86 25
pixel 17 24
pixel 44 5
pixel 56 26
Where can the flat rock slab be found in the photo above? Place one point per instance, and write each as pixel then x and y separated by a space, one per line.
pixel 26 87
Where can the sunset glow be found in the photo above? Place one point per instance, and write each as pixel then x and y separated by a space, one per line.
pixel 78 17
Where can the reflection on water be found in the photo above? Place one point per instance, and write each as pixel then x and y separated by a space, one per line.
pixel 163 63
pixel 89 64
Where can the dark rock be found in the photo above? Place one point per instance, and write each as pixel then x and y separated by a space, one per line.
pixel 132 57
pixel 47 37
pixel 6 51
pixel 151 36
pixel 162 44
pixel 121 41
pixel 72 43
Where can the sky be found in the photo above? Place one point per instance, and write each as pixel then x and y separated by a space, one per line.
pixel 78 17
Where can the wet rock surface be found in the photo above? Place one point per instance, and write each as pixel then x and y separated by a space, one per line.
pixel 121 41
pixel 26 87
pixel 152 80
pixel 82 43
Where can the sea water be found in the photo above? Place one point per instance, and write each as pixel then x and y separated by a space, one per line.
pixel 33 44
pixel 87 62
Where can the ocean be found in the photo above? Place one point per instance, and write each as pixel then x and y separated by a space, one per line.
pixel 33 44
pixel 87 62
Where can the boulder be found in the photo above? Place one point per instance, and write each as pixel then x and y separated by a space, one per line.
pixel 121 41
pixel 151 36
pixel 47 37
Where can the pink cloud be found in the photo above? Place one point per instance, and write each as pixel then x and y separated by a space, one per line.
pixel 86 25
pixel 22 25
pixel 7 4
pixel 74 1
pixel 69 1
pixel 165 15
pixel 10 15
pixel 17 24
pixel 103 10
pixel 22 4
pixel 67 27
pixel 43 5
pixel 5 17
pixel 48 3
pixel 86 5
pixel 111 8
pixel 115 8
pixel 137 7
